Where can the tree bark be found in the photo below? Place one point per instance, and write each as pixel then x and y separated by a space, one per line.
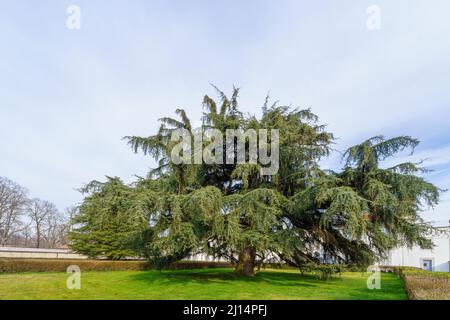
pixel 38 237
pixel 246 263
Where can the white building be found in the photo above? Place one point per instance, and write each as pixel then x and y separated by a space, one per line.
pixel 437 259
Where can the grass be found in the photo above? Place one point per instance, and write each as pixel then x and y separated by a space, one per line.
pixel 221 284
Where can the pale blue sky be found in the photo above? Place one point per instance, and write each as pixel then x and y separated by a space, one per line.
pixel 68 96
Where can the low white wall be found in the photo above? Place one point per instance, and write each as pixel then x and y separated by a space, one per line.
pixel 15 252
pixel 12 252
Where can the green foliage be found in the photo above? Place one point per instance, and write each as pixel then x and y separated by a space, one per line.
pixel 322 271
pixel 107 220
pixel 359 214
pixel 353 217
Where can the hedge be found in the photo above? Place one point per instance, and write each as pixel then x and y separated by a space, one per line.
pixel 424 285
pixel 56 265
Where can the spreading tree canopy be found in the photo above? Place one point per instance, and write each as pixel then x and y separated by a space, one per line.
pixel 108 220
pixel 233 211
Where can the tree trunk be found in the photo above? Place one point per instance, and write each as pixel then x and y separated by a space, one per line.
pixel 38 237
pixel 246 263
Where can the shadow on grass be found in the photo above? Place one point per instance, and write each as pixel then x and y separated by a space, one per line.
pixel 225 276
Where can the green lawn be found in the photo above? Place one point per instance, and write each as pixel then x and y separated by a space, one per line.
pixel 197 284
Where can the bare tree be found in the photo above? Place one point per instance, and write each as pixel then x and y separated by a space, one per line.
pixel 13 199
pixel 71 213
pixel 56 229
pixel 27 235
pixel 25 222
pixel 40 212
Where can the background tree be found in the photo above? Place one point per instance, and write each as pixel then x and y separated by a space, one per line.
pixel 25 222
pixel 40 212
pixel 13 199
pixel 26 236
pixel 71 213
pixel 56 229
